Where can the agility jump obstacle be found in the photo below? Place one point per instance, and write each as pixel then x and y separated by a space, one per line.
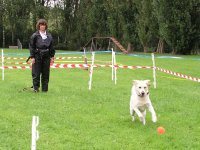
pixel 114 69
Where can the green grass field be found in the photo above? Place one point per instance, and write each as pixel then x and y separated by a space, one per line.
pixel 72 117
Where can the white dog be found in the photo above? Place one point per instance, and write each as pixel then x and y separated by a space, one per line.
pixel 140 100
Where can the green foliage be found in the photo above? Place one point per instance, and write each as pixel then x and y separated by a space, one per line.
pixel 146 25
pixel 136 23
pixel 175 24
pixel 129 30
pixel 195 28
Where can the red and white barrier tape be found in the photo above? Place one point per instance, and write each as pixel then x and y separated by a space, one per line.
pixel 57 58
pixel 16 67
pixel 14 58
pixel 67 57
pixel 18 63
pixel 79 66
pixel 179 75
pixel 117 66
pixel 96 65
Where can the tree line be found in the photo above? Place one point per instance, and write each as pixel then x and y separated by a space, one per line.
pixel 140 25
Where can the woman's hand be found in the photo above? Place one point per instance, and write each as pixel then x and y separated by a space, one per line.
pixel 52 60
pixel 33 60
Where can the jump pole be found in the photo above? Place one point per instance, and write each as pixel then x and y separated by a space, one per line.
pixel 2 63
pixel 112 66
pixel 154 70
pixel 85 57
pixel 84 52
pixel 91 71
pixel 35 132
pixel 114 69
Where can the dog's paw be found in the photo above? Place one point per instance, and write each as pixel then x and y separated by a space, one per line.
pixel 144 122
pixel 133 118
pixel 142 119
pixel 154 119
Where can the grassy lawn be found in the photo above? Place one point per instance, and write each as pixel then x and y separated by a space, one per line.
pixel 72 117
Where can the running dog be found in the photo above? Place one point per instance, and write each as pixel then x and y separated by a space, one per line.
pixel 140 101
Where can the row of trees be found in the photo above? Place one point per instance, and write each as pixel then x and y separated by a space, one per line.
pixel 158 25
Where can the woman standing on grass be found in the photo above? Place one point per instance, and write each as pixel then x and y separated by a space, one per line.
pixel 42 54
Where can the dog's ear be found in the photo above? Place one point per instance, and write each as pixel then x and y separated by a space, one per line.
pixel 134 82
pixel 148 82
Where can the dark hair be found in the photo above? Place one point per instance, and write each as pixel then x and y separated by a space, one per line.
pixel 41 21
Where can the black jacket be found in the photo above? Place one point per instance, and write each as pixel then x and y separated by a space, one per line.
pixel 37 44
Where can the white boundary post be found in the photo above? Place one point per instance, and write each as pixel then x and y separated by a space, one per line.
pixel 2 63
pixel 114 69
pixel 84 52
pixel 91 71
pixel 85 57
pixel 154 70
pixel 35 132
pixel 112 65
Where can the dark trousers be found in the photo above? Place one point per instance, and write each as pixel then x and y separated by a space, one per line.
pixel 41 69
